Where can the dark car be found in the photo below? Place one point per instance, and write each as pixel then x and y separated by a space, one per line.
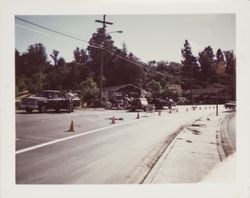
pixel 230 105
pixel 48 99
pixel 160 103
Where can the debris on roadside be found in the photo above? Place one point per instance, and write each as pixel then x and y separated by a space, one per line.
pixel 116 118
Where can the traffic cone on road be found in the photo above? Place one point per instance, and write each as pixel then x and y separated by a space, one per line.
pixel 113 120
pixel 71 127
pixel 138 115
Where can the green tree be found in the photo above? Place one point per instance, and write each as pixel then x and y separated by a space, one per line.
pixel 219 56
pixel 231 70
pixel 101 40
pixel 230 62
pixel 61 62
pixel 31 67
pixel 54 56
pixel 80 55
pixel 154 87
pixel 190 68
pixel 89 92
pixel 206 60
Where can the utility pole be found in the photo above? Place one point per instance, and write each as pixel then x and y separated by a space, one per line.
pixel 217 102
pixel 104 25
pixel 192 80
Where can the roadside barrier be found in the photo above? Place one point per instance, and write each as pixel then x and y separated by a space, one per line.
pixel 113 120
pixel 71 127
pixel 138 115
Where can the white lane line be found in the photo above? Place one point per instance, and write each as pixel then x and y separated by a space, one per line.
pixel 70 137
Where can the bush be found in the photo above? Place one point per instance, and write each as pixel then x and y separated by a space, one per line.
pixel 89 93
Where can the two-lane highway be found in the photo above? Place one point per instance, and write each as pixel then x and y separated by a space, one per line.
pixel 105 156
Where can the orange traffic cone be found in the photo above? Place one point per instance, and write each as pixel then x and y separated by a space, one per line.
pixel 71 127
pixel 138 115
pixel 113 120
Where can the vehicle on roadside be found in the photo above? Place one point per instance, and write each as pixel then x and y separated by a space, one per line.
pixel 117 101
pixel 160 103
pixel 230 105
pixel 138 103
pixel 48 99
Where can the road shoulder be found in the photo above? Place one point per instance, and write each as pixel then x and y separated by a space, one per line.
pixel 191 155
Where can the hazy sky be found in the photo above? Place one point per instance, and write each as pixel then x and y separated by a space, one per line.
pixel 149 37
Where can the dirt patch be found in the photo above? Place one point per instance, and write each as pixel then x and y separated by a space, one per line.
pixel 198 125
pixel 195 131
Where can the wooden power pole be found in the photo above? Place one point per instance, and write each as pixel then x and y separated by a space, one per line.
pixel 104 25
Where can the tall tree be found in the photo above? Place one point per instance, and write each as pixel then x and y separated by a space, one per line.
pixel 219 56
pixel 80 55
pixel 99 39
pixel 54 56
pixel 190 68
pixel 231 63
pixel 206 60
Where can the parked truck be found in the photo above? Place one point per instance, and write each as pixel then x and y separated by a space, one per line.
pixel 48 99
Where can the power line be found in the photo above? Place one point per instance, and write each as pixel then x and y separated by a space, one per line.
pixel 39 32
pixel 91 45
pixel 141 65
pixel 51 30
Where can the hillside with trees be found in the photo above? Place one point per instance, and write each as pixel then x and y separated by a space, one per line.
pixel 35 72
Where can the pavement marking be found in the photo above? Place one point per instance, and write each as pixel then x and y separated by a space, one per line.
pixel 71 137
pixel 78 135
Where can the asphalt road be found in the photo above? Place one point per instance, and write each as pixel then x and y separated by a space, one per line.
pixel 36 128
pixel 115 154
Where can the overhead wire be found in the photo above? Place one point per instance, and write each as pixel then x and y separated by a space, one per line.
pixel 39 32
pixel 91 45
pixel 49 29
pixel 141 65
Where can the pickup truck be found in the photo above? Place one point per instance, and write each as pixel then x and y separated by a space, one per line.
pixel 48 99
pixel 230 105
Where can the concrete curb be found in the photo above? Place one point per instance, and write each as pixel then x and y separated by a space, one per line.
pixel 190 157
